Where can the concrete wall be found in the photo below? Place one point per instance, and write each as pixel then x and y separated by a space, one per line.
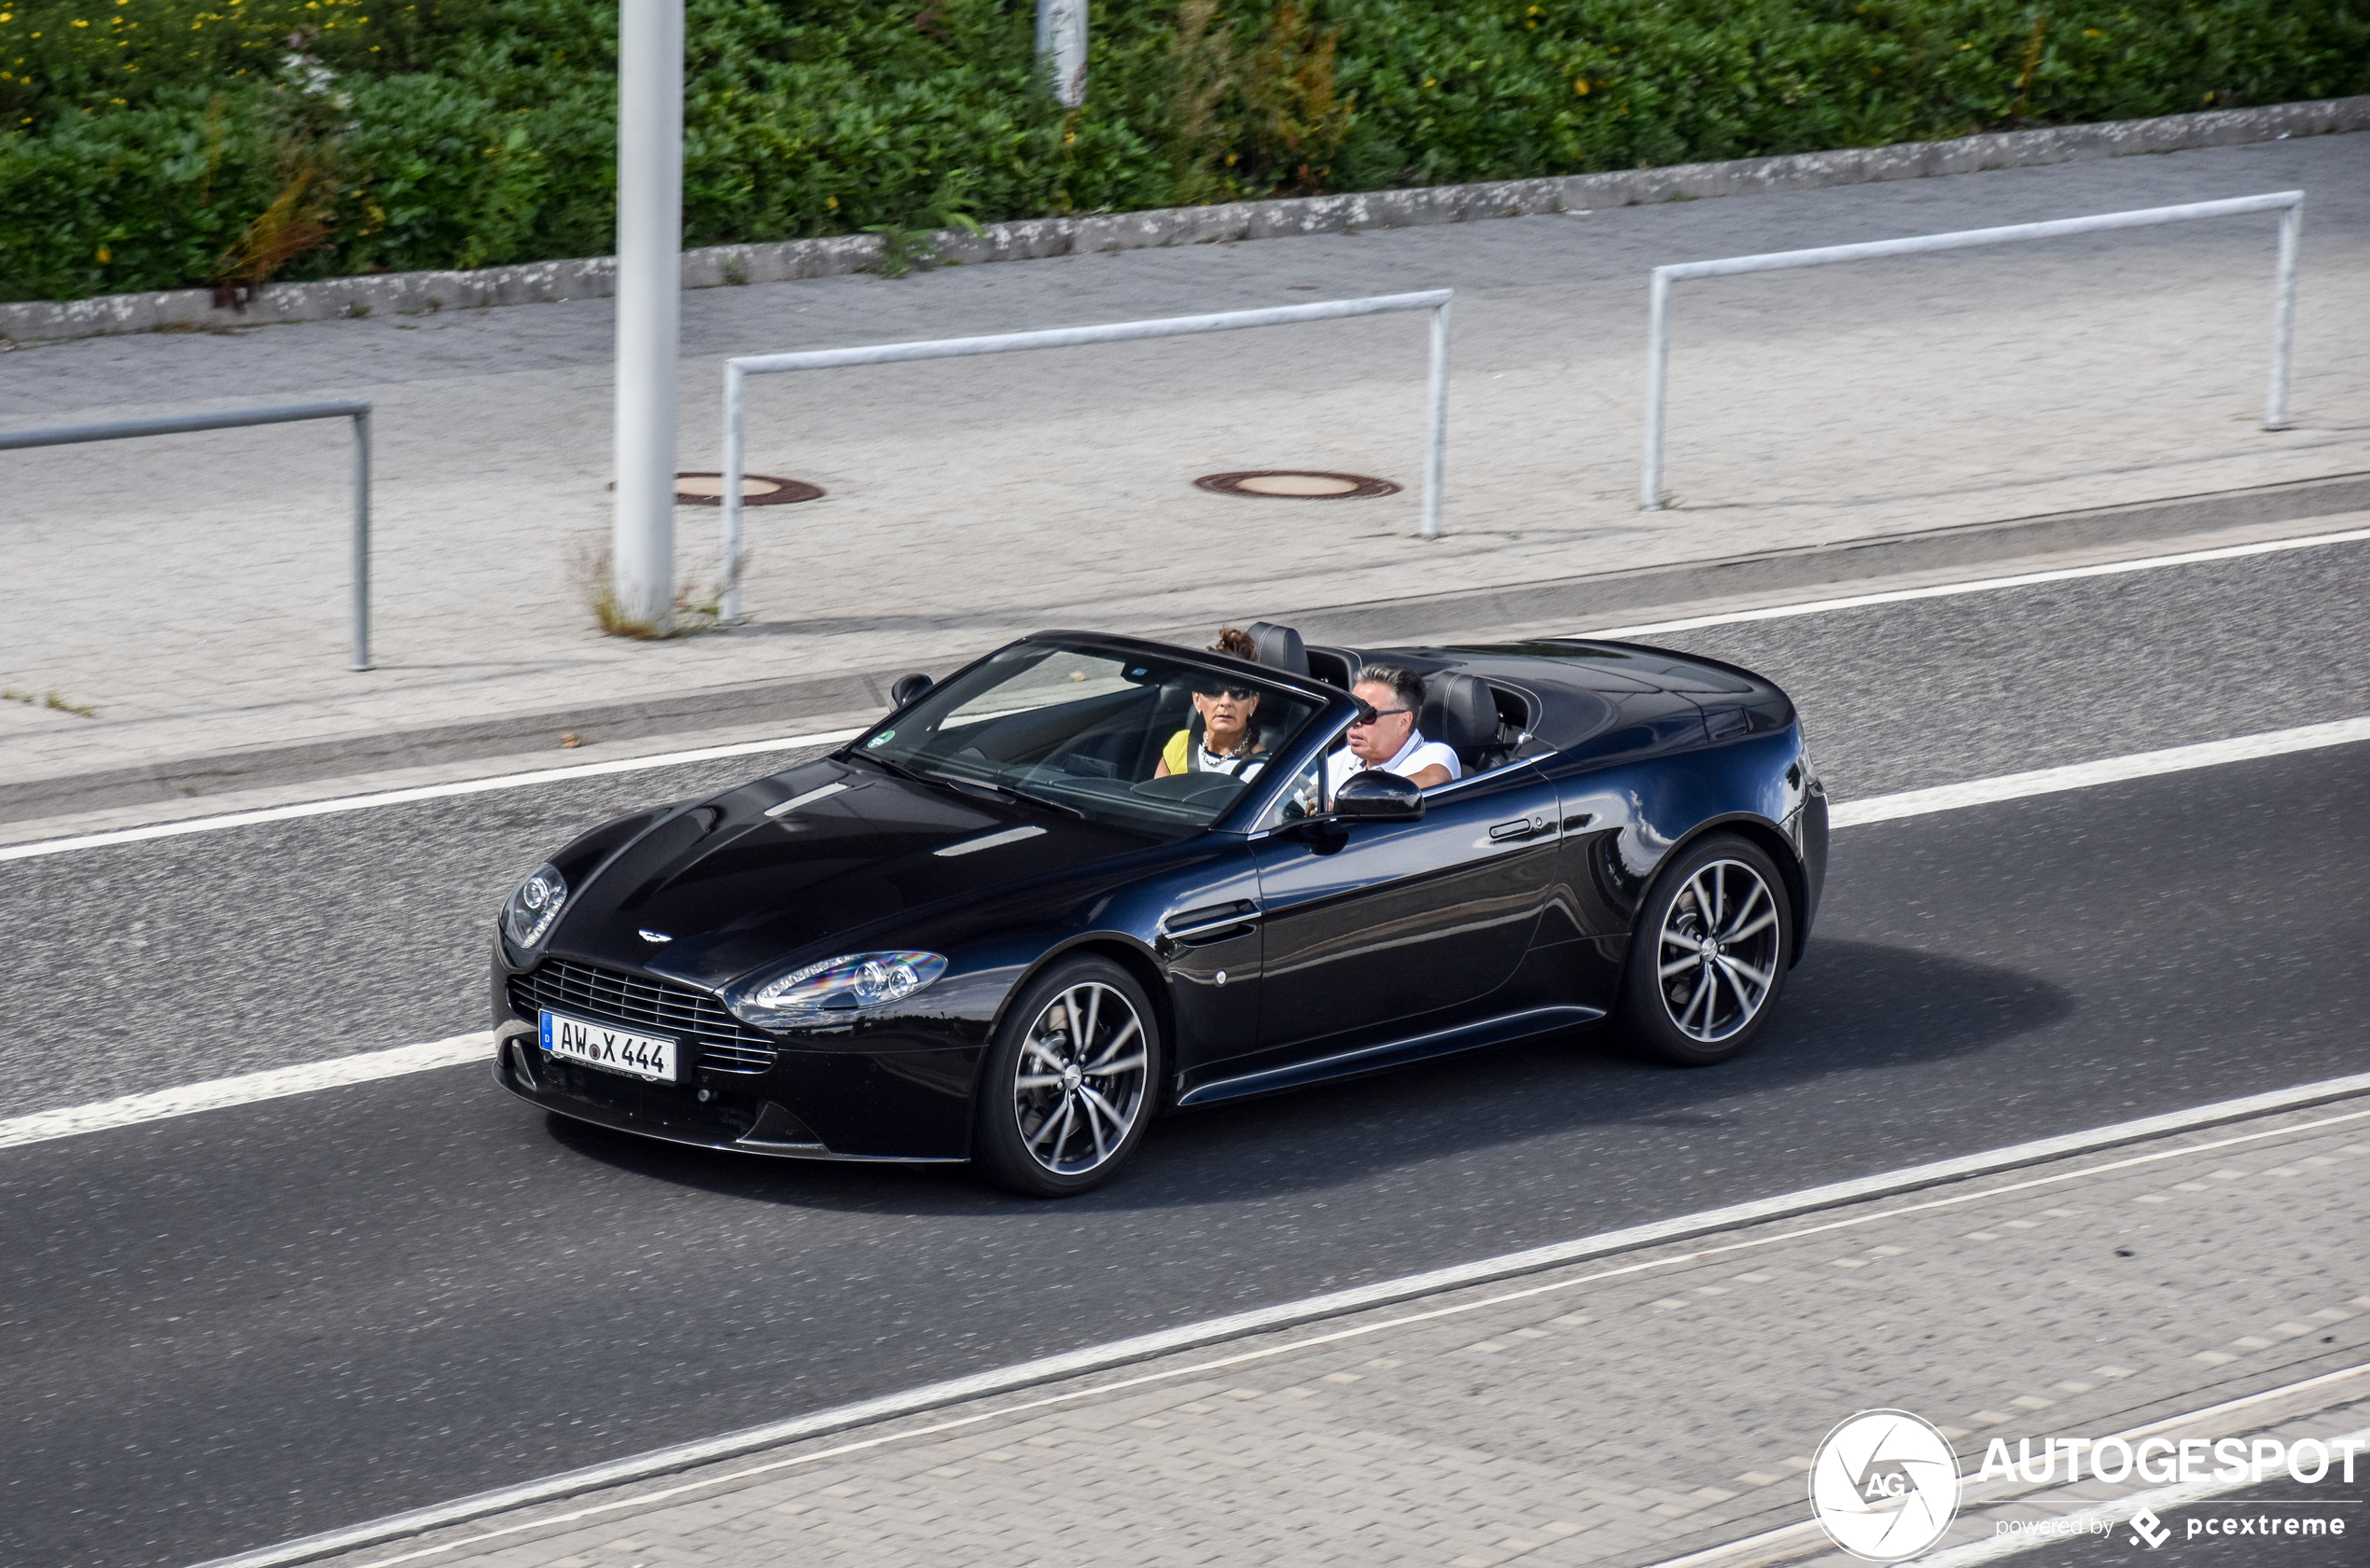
pixel 714 266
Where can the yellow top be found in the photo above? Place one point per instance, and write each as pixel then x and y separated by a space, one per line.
pixel 1173 753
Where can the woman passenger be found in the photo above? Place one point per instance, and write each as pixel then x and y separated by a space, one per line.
pixel 1229 741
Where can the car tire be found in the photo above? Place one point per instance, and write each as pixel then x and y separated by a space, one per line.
pixel 1693 992
pixel 1071 1082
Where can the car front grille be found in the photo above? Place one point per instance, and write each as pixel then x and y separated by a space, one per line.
pixel 612 996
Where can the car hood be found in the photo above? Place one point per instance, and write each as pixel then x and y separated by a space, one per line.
pixel 735 890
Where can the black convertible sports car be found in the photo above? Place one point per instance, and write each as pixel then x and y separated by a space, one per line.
pixel 1000 927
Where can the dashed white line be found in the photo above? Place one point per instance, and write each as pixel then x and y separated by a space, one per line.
pixel 2109 770
pixel 422 792
pixel 245 1089
pixel 1982 584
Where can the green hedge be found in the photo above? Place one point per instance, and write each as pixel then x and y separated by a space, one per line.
pixel 156 144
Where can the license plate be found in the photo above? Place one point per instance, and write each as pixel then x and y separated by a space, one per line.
pixel 613 1051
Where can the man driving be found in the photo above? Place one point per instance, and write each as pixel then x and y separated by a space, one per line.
pixel 1384 735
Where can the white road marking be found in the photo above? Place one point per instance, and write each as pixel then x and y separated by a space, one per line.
pixel 1285 1314
pixel 1850 813
pixel 1978 585
pixel 422 792
pixel 246 1089
pixel 2087 775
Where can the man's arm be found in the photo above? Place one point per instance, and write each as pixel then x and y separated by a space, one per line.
pixel 1427 777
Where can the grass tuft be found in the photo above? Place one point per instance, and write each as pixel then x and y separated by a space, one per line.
pixel 695 609
pixel 50 699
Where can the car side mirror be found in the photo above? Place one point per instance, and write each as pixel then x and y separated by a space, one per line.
pixel 908 688
pixel 1373 795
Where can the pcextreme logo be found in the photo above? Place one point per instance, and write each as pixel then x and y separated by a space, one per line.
pixel 1884 1485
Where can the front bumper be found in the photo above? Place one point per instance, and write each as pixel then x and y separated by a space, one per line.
pixel 878 1103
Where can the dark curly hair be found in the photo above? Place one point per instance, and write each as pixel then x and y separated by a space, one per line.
pixel 1235 642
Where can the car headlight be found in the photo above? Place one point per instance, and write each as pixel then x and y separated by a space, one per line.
pixel 528 917
pixel 848 983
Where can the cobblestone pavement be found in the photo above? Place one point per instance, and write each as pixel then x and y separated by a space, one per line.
pixel 1632 1410
pixel 192 589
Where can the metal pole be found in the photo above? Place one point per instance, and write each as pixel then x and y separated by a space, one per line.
pixel 733 383
pixel 1061 48
pixel 649 262
pixel 2288 203
pixel 361 541
pixel 355 408
pixel 1650 483
pixel 740 366
pixel 1436 430
pixel 2284 315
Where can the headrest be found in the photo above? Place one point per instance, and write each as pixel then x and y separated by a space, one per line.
pixel 1279 646
pixel 1459 711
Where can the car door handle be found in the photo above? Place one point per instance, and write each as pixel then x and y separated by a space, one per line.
pixel 1521 827
pixel 1188 925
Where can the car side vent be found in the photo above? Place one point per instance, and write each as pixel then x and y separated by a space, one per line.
pixel 1210 922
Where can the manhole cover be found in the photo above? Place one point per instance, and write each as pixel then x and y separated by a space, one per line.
pixel 757 490
pixel 1298 484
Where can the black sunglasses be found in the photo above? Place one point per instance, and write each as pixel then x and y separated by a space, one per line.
pixel 1239 693
pixel 1367 713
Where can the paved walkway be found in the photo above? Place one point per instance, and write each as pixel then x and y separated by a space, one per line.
pixel 1632 1410
pixel 192 589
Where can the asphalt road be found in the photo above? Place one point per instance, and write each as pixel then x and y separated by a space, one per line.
pixel 227 1329
pixel 198 957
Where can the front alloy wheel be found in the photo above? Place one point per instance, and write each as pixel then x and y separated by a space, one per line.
pixel 1070 1088
pixel 1701 984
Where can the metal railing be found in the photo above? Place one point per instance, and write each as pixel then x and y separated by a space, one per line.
pixel 2288 203
pixel 737 371
pixel 355 408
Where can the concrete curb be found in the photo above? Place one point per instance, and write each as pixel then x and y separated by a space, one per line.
pixel 595 277
pixel 1317 1308
pixel 1571 603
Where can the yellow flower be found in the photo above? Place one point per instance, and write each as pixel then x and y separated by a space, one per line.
pixel 105 256
pixel 1580 85
pixel 2092 33
pixel 82 25
pixel 832 202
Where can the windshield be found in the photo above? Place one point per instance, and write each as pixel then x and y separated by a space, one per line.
pixel 1153 745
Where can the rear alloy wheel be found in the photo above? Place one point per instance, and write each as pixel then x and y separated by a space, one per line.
pixel 1708 957
pixel 1071 1083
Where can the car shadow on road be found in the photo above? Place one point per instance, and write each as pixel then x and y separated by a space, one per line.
pixel 1851 1009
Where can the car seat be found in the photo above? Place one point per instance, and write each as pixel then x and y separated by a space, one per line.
pixel 1279 646
pixel 1461 712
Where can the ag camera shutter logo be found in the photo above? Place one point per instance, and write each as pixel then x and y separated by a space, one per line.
pixel 1885 1485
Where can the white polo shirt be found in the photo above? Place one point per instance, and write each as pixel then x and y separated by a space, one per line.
pixel 1414 758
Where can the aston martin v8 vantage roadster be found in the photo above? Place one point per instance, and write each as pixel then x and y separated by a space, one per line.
pixel 1029 910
